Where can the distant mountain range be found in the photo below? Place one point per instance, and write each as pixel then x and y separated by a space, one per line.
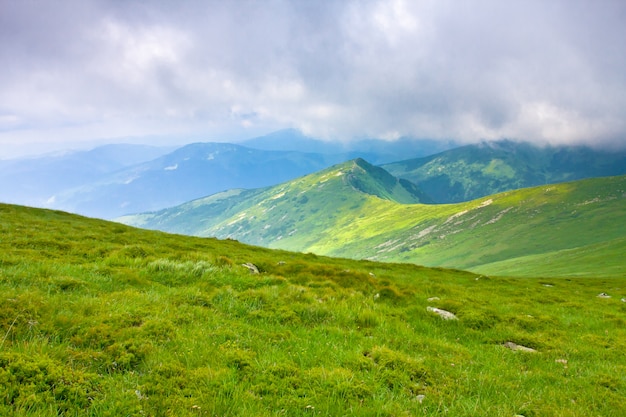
pixel 187 173
pixel 36 180
pixel 475 171
pixel 114 180
pixel 358 210
pixel 376 151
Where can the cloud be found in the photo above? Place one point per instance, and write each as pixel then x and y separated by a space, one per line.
pixel 533 70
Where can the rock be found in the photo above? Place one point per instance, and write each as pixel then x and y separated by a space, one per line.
pixel 434 299
pixel 281 263
pixel 603 295
pixel 420 398
pixel 251 267
pixel 623 300
pixel 446 315
pixel 516 347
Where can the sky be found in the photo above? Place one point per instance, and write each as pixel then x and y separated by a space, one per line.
pixel 78 72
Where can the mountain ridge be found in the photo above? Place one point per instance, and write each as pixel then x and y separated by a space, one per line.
pixel 189 172
pixel 327 190
pixel 474 171
pixel 324 213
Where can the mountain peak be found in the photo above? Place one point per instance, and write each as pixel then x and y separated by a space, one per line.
pixel 376 181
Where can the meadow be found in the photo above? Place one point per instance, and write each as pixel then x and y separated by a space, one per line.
pixel 101 319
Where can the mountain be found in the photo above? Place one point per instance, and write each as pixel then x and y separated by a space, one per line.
pixel 377 151
pixel 114 180
pixel 98 319
pixel 187 173
pixel 293 140
pixel 475 171
pixel 35 180
pixel 355 210
pixel 295 210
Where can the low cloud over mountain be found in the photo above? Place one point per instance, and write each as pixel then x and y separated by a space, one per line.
pixel 534 70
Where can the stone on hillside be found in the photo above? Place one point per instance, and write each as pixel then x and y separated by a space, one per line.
pixel 516 347
pixel 446 315
pixel 623 300
pixel 603 295
pixel 251 267
pixel 434 299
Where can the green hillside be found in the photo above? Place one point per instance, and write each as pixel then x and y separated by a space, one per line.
pixel 101 319
pixel 475 171
pixel 295 214
pixel 597 260
pixel 479 235
pixel 329 213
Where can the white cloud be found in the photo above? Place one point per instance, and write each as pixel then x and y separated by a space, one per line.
pixel 546 71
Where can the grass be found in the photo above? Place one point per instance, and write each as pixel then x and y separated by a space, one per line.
pixel 599 260
pixel 99 319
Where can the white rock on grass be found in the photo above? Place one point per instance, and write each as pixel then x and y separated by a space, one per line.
pixel 516 347
pixel 603 295
pixel 251 267
pixel 446 315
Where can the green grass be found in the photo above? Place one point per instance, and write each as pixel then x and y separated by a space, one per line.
pixel 100 319
pixel 604 259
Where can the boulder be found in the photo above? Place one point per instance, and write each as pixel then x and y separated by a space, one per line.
pixel 251 267
pixel 446 315
pixel 516 347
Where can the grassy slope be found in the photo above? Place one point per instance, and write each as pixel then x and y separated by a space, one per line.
pixel 101 319
pixel 326 214
pixel 598 260
pixel 526 222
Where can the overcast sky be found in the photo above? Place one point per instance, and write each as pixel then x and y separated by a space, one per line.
pixel 78 71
